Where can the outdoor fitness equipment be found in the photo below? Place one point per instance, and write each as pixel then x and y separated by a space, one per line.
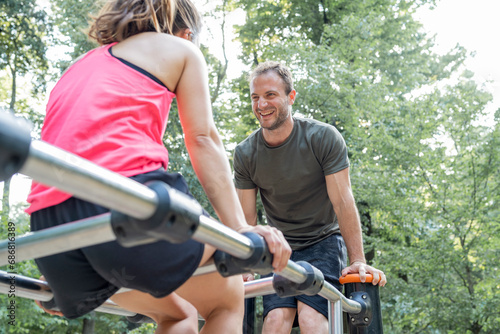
pixel 141 214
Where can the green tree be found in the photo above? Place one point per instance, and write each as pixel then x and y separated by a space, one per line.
pixel 70 23
pixel 22 51
pixel 23 27
pixel 363 67
pixel 434 210
pixel 71 20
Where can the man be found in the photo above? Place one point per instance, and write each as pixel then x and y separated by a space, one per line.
pixel 301 168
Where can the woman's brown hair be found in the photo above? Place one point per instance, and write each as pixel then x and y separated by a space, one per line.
pixel 120 19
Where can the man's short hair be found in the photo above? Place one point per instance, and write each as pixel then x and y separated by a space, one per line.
pixel 276 67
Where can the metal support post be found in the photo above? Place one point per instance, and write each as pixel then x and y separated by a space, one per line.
pixel 249 318
pixel 335 321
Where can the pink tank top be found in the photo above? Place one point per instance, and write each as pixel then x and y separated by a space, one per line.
pixel 109 112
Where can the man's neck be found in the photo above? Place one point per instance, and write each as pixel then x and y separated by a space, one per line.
pixel 280 135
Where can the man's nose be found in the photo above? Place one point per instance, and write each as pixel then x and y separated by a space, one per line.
pixel 262 103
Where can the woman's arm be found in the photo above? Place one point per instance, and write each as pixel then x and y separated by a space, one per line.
pixel 208 156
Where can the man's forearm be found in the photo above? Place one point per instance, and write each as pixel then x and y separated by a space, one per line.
pixel 248 200
pixel 350 228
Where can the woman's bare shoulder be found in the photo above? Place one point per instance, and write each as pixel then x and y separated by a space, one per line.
pixel 162 55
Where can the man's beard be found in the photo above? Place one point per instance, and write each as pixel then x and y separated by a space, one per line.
pixel 282 117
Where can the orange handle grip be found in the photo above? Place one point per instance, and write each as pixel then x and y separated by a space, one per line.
pixel 354 278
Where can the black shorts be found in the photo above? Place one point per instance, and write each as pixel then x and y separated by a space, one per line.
pixel 83 279
pixel 330 256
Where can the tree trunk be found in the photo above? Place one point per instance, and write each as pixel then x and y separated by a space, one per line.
pixel 476 328
pixel 88 325
pixel 13 72
pixel 5 200
pixel 366 221
pixel 222 70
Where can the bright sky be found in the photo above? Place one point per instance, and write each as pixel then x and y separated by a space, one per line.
pixel 472 24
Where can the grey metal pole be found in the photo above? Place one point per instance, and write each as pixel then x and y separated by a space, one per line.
pixel 111 308
pixel 35 289
pixel 68 172
pixel 260 287
pixel 335 322
pixel 332 294
pixel 330 317
pixel 38 290
pixel 82 233
pixel 223 238
pixel 42 293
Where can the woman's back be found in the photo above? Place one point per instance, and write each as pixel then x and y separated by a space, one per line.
pixel 117 96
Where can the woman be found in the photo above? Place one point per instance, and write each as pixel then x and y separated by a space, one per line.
pixel 111 107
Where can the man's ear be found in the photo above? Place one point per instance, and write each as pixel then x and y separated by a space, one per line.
pixel 291 97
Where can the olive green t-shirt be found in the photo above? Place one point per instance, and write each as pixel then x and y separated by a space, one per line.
pixel 291 179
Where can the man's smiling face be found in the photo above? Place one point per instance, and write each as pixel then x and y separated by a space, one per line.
pixel 270 103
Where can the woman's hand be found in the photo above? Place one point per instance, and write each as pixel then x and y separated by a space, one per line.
pixel 278 246
pixel 39 303
pixel 58 313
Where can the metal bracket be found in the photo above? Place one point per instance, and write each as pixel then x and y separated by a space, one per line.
pixel 311 286
pixel 140 319
pixel 365 317
pixel 259 262
pixel 176 219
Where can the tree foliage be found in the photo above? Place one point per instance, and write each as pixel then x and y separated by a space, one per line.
pixel 23 25
pixel 71 21
pixel 22 53
pixel 428 209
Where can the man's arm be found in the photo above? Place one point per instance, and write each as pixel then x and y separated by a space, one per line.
pixel 248 200
pixel 340 193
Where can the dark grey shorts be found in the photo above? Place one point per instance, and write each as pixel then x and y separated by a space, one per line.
pixel 83 279
pixel 329 256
